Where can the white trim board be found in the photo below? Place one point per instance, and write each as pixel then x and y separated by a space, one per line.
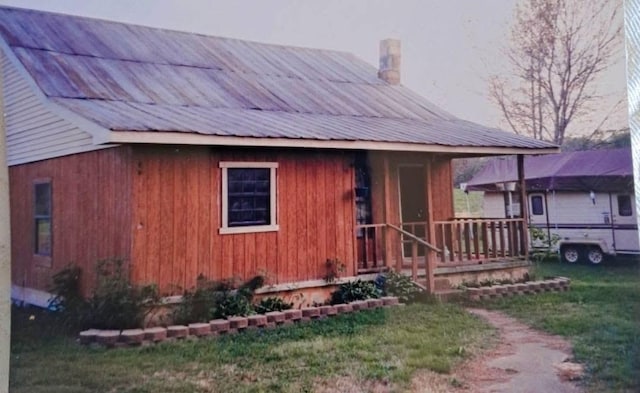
pixel 181 138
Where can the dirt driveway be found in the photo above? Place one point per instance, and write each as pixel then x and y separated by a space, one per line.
pixel 525 361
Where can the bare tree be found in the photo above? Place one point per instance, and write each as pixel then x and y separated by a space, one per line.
pixel 558 48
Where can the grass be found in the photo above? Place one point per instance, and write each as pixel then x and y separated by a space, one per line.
pixel 381 347
pixel 600 315
pixel 474 206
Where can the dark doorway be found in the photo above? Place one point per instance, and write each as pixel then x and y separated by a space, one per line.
pixel 413 201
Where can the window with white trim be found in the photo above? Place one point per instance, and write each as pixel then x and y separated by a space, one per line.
pixel 249 197
pixel 42 218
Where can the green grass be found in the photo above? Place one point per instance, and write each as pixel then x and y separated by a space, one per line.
pixel 600 315
pixel 473 209
pixel 384 346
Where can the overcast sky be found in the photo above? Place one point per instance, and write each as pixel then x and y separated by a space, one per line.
pixel 449 47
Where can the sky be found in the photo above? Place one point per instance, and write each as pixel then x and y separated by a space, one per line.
pixel 449 47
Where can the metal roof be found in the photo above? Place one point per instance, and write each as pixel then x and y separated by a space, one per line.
pixel 593 170
pixel 133 78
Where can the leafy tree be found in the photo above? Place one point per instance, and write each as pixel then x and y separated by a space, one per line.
pixel 557 50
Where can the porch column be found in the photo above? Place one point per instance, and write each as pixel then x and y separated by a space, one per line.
pixel 430 257
pixel 524 208
pixel 386 209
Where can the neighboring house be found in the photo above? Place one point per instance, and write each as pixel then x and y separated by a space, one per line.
pixel 186 154
pixel 585 198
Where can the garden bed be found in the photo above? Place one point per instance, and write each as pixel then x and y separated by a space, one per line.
pixel 231 325
pixel 557 284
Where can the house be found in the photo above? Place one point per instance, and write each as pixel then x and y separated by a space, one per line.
pixel 186 154
pixel 584 198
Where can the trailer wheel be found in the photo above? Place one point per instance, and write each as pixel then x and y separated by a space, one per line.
pixel 595 255
pixel 570 253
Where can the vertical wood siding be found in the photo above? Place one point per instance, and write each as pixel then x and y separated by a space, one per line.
pixel 176 217
pixel 33 131
pixel 91 214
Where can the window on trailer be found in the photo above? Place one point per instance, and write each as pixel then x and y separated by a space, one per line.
pixel 248 197
pixel 42 218
pixel 537 205
pixel 624 206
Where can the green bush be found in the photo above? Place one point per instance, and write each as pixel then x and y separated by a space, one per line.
pixel 67 299
pixel 401 286
pixel 272 304
pixel 354 290
pixel 197 305
pixel 216 299
pixel 116 303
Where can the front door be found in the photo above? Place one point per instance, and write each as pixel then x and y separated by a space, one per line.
pixel 413 203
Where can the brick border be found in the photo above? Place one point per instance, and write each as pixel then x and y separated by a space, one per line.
pixel 231 325
pixel 558 284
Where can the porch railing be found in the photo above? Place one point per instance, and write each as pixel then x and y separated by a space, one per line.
pixel 456 242
pixel 473 240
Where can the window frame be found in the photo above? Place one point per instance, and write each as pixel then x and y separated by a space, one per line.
pixel 273 197
pixel 533 213
pixel 630 205
pixel 36 217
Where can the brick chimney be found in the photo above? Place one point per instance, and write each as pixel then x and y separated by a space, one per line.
pixel 390 61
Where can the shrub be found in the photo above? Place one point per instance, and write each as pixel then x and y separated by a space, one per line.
pixel 354 290
pixel 67 299
pixel 116 303
pixel 272 304
pixel 216 299
pixel 197 305
pixel 401 286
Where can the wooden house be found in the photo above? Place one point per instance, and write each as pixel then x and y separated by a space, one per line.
pixel 186 154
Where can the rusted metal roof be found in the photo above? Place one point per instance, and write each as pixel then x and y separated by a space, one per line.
pixel 134 78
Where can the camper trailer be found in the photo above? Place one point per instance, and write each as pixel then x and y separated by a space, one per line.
pixel 584 200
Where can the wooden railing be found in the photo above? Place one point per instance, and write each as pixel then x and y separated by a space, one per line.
pixel 471 240
pixel 370 240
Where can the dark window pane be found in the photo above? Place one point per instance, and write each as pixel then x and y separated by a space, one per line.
pixel 537 206
pixel 43 199
pixel 624 205
pixel 249 198
pixel 42 218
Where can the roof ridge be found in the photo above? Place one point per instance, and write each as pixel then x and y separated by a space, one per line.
pixel 174 31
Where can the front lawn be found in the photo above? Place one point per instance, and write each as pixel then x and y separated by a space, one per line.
pixel 382 347
pixel 600 315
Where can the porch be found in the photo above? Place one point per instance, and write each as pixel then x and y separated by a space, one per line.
pixel 464 248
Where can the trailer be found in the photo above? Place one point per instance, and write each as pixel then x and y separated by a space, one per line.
pixel 584 200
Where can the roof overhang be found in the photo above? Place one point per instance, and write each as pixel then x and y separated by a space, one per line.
pixel 181 138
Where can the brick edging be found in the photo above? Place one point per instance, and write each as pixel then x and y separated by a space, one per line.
pixel 219 327
pixel 558 284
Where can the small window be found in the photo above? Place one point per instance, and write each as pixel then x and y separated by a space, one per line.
pixel 248 197
pixel 537 205
pixel 42 218
pixel 624 206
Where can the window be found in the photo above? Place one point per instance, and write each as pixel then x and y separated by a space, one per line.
pixel 537 205
pixel 42 218
pixel 248 197
pixel 624 206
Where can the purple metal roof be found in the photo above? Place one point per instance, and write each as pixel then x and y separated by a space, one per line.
pixel 134 78
pixel 593 170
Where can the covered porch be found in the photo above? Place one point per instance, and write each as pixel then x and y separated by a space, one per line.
pixel 412 227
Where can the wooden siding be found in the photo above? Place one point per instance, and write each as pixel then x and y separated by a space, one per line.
pixel 177 208
pixel 34 132
pixel 91 214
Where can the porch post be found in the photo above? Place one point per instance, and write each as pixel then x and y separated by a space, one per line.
pixel 524 209
pixel 430 261
pixel 386 209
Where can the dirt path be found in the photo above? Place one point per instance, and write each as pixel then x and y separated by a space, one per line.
pixel 525 361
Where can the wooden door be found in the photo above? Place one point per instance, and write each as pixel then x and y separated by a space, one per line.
pixel 413 202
